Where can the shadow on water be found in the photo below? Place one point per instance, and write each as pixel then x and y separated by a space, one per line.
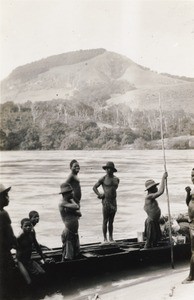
pixel 83 287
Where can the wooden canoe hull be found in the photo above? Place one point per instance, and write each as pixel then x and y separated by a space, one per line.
pixel 128 253
pixel 99 258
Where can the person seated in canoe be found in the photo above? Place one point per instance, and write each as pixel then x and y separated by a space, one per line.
pixel 109 183
pixel 70 214
pixel 25 241
pixel 73 180
pixel 190 204
pixel 34 219
pixel 152 227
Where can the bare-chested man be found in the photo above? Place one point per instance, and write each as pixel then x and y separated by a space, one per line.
pixel 151 207
pixel 190 204
pixel 70 214
pixel 109 183
pixel 73 180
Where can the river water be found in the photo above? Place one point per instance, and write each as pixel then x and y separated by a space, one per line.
pixel 35 177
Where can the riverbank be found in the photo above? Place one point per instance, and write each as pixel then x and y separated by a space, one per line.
pixel 160 285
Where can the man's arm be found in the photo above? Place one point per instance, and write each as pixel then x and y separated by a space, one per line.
pixel 188 196
pixel 161 188
pixel 95 189
pixel 71 205
pixel 38 248
pixel 12 237
pixel 69 178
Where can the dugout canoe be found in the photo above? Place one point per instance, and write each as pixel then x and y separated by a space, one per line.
pixel 96 258
pixel 126 253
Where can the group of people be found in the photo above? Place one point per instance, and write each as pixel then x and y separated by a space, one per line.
pixel 24 244
pixel 152 223
pixel 69 208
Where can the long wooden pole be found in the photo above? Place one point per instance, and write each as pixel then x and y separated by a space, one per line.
pixel 167 194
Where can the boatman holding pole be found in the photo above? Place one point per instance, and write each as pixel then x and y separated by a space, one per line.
pixel 151 207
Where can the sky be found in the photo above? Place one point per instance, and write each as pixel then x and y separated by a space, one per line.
pixel 155 34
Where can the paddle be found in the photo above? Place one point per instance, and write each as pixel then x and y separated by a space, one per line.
pixel 165 169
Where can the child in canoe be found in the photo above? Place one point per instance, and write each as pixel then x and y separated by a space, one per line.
pixel 34 219
pixel 25 241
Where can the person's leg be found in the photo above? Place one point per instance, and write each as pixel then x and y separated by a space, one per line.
pixel 110 226
pixel 104 225
pixel 104 229
pixel 191 273
pixel 148 230
pixel 77 245
pixel 190 278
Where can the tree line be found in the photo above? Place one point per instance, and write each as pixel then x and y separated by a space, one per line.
pixel 60 124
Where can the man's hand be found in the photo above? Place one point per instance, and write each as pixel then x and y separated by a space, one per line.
pixel 78 213
pixel 101 196
pixel 188 189
pixel 48 260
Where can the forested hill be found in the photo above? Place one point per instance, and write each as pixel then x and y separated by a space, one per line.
pixel 92 99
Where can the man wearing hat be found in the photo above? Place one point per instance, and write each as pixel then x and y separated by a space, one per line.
pixel 70 214
pixel 152 227
pixel 7 238
pixel 109 183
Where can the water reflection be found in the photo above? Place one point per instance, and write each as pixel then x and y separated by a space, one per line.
pixel 86 287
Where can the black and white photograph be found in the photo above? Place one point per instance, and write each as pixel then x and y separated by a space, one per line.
pixel 97 150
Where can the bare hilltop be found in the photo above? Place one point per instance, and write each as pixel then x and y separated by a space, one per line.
pixel 93 99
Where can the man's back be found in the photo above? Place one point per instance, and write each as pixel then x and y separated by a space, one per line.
pixel 151 208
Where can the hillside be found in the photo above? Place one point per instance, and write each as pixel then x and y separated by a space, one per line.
pixel 107 75
pixel 92 99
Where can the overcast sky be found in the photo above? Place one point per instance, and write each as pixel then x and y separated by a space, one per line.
pixel 156 34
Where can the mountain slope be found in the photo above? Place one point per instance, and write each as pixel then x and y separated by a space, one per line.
pixel 91 75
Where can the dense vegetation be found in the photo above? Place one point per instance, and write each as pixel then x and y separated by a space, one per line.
pixel 60 124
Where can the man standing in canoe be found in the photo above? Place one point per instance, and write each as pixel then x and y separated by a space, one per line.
pixel 190 204
pixel 109 183
pixel 70 214
pixel 73 180
pixel 151 207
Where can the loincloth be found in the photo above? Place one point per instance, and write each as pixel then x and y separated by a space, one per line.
pixel 71 245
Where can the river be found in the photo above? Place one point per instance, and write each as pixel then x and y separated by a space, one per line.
pixel 35 177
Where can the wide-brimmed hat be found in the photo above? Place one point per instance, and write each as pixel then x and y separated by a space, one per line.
pixel 65 188
pixel 150 183
pixel 110 165
pixel 3 189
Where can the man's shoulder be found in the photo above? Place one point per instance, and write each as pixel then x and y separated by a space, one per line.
pixel 70 178
pixel 149 197
pixel 101 179
pixel 4 216
pixel 3 212
pixel 60 205
pixel 20 236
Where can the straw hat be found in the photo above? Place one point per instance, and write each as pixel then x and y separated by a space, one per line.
pixel 3 189
pixel 65 188
pixel 150 183
pixel 110 165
